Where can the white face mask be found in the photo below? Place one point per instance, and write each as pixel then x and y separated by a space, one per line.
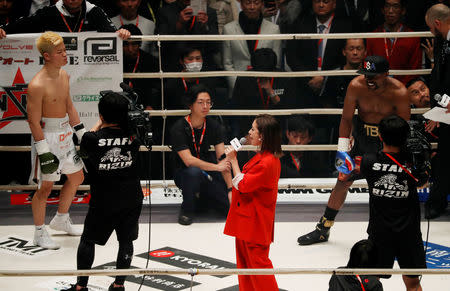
pixel 194 66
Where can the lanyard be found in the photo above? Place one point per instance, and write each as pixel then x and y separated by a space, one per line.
pixel 256 42
pixel 185 85
pixel 359 279
pixel 386 47
pixel 151 10
pixel 192 23
pixel 265 104
pixel 197 149
pixel 135 67
pixel 319 42
pixel 297 165
pixel 137 20
pixel 68 27
pixel 404 169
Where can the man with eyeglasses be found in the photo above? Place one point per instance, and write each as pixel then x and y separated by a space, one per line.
pixel 204 179
pixel 375 95
pixel 402 53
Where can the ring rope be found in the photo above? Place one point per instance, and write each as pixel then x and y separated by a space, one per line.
pixel 193 271
pixel 162 74
pixel 249 112
pixel 164 148
pixel 287 36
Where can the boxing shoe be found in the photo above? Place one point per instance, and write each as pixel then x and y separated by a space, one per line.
pixel 73 287
pixel 43 239
pixel 64 223
pixel 320 234
pixel 185 220
pixel 113 288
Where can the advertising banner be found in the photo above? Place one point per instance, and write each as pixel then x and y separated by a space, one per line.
pixel 94 63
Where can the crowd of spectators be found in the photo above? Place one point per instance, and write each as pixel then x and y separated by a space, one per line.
pixel 229 17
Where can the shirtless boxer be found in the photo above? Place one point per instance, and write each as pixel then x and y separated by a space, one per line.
pixel 375 95
pixel 51 115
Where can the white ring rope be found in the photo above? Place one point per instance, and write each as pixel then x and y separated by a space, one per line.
pixel 287 36
pixel 171 184
pixel 164 148
pixel 265 74
pixel 249 112
pixel 194 271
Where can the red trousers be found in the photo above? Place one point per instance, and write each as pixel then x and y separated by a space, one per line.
pixel 254 256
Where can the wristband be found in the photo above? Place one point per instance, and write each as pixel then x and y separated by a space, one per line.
pixel 343 144
pixel 42 147
pixel 229 189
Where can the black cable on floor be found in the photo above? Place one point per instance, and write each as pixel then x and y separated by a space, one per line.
pixel 147 188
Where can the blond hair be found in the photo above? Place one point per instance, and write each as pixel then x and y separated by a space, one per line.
pixel 48 41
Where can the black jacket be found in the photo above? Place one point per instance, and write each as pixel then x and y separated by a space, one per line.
pixel 92 18
pixel 302 54
pixel 166 24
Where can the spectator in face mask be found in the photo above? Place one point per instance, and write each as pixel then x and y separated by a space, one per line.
pixel 190 60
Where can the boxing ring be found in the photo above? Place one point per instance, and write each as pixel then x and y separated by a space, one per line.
pixel 200 256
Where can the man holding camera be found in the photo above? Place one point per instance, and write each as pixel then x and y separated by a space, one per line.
pixel 111 159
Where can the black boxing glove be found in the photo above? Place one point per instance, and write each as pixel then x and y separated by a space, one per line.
pixel 49 162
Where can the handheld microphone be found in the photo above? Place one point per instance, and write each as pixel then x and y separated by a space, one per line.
pixel 208 176
pixel 236 144
pixel 442 100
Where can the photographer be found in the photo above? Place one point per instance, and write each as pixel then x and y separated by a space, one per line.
pixel 393 175
pixel 116 200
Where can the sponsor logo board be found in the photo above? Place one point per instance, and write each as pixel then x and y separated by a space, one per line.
pixel 25 199
pixel 437 256
pixel 186 260
pixel 15 245
pixel 100 51
pixel 160 282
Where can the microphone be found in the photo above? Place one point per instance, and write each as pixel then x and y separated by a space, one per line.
pixel 236 144
pixel 208 176
pixel 442 100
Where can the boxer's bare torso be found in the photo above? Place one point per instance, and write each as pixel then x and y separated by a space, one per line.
pixel 374 99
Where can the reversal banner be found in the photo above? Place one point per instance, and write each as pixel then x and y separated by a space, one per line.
pixel 94 64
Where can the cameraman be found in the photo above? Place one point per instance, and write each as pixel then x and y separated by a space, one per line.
pixel 116 199
pixel 394 217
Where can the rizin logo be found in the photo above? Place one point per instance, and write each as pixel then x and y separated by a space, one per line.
pixel 100 51
pixel 369 66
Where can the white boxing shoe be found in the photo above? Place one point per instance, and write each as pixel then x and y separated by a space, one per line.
pixel 43 239
pixel 64 224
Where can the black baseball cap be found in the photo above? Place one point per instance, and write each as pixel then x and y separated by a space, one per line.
pixel 374 65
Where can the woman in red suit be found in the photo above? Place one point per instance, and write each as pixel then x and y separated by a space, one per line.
pixel 251 216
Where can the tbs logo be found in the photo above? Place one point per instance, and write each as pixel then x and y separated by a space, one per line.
pixel 100 51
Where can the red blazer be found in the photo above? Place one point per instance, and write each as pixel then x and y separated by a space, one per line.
pixel 405 55
pixel 252 211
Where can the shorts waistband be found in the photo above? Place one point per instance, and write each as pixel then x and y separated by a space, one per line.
pixel 54 124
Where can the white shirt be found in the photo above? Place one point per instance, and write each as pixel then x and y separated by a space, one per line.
pixel 325 31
